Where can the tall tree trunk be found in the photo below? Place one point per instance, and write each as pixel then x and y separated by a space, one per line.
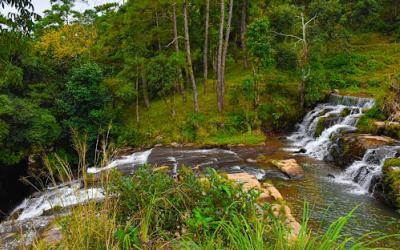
pixel 145 89
pixel 243 30
pixel 304 61
pixel 205 56
pixel 137 94
pixel 219 56
pixel 176 44
pixel 158 35
pixel 225 51
pixel 188 56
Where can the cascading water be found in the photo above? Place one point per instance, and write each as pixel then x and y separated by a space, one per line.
pixel 70 194
pixel 363 172
pixel 340 114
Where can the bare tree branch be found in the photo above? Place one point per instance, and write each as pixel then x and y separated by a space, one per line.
pixel 288 35
pixel 173 41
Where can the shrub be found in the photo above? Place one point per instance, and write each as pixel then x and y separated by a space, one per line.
pixel 192 125
pixel 286 58
pixel 159 207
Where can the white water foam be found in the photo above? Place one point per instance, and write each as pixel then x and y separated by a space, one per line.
pixel 318 147
pixel 61 197
pixel 135 159
pixel 363 172
pixel 359 175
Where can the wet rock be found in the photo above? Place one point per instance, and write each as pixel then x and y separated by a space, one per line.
pixel 290 167
pixel 158 145
pixel 302 151
pixel 52 235
pixel 249 160
pixel 390 181
pixel 331 176
pixel 272 191
pixel 326 122
pixel 20 234
pixel 175 144
pixel 284 212
pixel 352 147
pixel 391 129
pixel 247 180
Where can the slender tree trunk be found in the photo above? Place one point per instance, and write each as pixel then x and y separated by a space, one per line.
pixel 205 57
pixel 188 55
pixel 219 55
pixel 303 62
pixel 225 51
pixel 243 30
pixel 176 44
pixel 137 94
pixel 145 89
pixel 158 36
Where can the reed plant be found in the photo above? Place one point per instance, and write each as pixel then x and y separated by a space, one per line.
pixel 151 210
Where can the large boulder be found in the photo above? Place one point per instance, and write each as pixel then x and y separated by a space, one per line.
pixel 268 193
pixel 352 147
pixel 289 167
pixel 391 129
pixel 391 180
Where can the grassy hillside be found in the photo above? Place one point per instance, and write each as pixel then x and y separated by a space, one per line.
pixel 363 70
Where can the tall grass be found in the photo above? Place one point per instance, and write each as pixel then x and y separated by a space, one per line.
pixel 150 210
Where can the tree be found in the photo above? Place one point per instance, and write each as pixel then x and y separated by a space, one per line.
pixel 189 56
pixel 37 129
pixel 161 73
pixel 22 20
pixel 83 103
pixel 66 44
pixel 176 45
pixel 243 30
pixel 205 48
pixel 259 46
pixel 223 44
pixel 303 54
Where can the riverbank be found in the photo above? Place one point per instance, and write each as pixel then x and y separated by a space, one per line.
pixel 168 161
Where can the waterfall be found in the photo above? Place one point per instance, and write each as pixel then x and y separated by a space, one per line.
pixel 57 197
pixel 363 172
pixel 135 159
pixel 342 114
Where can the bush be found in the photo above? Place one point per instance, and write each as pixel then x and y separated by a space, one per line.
pixel 286 58
pixel 158 207
pixel 192 125
pixel 278 115
pixel 128 136
pixel 241 121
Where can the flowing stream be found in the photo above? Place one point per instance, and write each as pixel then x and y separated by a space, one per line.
pixel 329 197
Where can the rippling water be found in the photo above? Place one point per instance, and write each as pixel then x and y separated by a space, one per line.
pixel 330 200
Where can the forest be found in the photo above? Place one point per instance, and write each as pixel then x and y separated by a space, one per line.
pixel 201 74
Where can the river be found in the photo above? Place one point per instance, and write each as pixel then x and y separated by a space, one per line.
pixel 330 191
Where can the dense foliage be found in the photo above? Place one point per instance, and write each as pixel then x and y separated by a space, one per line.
pixel 124 70
pixel 151 210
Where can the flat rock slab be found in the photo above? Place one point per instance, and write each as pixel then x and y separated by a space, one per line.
pixel 290 167
pixel 269 194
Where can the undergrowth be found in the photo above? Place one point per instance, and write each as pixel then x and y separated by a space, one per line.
pixel 151 210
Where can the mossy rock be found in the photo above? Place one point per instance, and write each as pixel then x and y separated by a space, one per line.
pixel 352 147
pixel 391 178
pixel 345 112
pixel 392 129
pixel 325 122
